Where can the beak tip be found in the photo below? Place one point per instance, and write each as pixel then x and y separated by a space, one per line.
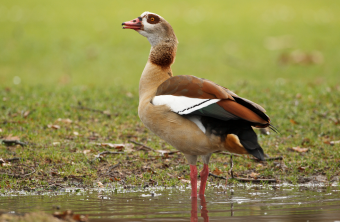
pixel 123 23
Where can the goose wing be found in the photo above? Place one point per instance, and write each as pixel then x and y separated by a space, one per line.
pixel 187 94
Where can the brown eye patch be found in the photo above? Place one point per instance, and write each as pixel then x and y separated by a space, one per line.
pixel 153 19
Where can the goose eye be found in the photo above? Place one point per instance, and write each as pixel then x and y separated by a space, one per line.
pixel 153 19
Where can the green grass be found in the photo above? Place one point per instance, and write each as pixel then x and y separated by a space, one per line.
pixel 56 55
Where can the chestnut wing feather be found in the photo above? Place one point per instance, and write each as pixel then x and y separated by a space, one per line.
pixel 192 87
pixel 256 108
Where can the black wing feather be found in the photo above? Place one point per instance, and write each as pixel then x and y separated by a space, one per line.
pixel 241 128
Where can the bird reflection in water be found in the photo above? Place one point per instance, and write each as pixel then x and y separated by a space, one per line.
pixel 204 209
pixel 203 206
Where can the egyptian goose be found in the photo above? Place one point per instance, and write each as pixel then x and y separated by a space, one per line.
pixel 194 115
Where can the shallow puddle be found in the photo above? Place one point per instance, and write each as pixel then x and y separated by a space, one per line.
pixel 174 204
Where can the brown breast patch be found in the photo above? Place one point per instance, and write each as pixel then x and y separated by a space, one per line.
pixel 163 55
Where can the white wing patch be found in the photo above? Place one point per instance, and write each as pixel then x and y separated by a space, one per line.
pixel 182 105
pixel 197 121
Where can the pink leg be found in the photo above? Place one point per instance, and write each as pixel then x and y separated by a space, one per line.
pixel 193 178
pixel 204 176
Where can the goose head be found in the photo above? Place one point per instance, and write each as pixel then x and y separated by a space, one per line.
pixel 152 26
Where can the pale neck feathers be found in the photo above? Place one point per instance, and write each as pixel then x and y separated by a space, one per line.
pixel 152 76
pixel 158 67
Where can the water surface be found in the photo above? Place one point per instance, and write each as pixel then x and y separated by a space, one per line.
pixel 257 203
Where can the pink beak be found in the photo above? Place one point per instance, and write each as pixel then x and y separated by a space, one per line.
pixel 135 24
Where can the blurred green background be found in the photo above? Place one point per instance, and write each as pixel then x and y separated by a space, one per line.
pixel 262 43
pixel 57 56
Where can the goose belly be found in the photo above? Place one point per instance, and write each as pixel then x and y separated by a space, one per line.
pixel 185 134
